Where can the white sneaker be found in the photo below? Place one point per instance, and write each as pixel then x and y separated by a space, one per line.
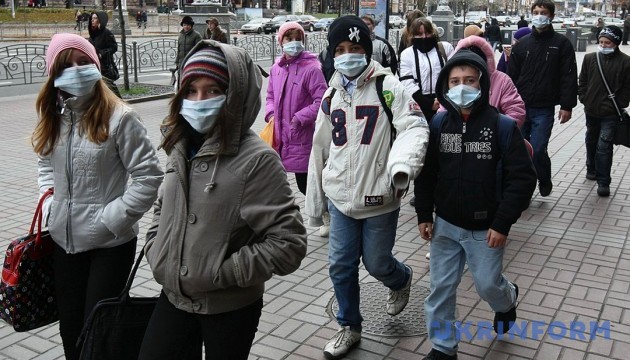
pixel 324 230
pixel 340 344
pixel 397 300
pixel 428 256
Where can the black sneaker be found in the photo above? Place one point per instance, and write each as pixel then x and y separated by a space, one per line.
pixel 412 202
pixel 503 321
pixel 591 176
pixel 603 190
pixel 438 355
pixel 545 188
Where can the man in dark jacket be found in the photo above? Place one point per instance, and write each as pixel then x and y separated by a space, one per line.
pixel 105 44
pixel 475 204
pixel 522 23
pixel 601 114
pixel 626 30
pixel 543 68
pixel 187 39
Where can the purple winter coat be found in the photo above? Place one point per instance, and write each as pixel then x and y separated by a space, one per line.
pixel 295 90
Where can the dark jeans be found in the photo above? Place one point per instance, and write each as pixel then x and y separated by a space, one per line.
pixel 537 130
pixel 626 35
pixel 300 180
pixel 176 334
pixel 600 133
pixel 83 279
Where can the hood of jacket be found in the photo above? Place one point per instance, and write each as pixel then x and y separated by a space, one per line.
pixel 464 57
pixel 244 88
pixel 302 57
pixel 481 43
pixel 102 18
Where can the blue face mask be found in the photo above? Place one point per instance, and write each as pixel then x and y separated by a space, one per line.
pixel 78 80
pixel 604 50
pixel 463 95
pixel 540 21
pixel 202 115
pixel 293 48
pixel 350 64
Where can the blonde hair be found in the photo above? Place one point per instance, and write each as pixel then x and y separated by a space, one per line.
pixel 94 121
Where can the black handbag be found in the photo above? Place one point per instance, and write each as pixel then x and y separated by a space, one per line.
pixel 27 291
pixel 115 328
pixel 622 132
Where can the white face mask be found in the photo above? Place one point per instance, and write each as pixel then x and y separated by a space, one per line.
pixel 605 50
pixel 463 95
pixel 202 115
pixel 350 64
pixel 293 48
pixel 78 80
pixel 540 21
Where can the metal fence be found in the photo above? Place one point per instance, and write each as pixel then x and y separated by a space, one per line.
pixel 25 63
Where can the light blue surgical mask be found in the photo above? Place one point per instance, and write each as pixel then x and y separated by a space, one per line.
pixel 350 64
pixel 202 114
pixel 78 80
pixel 463 95
pixel 540 21
pixel 605 50
pixel 293 48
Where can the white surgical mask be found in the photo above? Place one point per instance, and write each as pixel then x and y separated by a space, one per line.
pixel 202 114
pixel 605 50
pixel 463 95
pixel 293 48
pixel 78 80
pixel 540 21
pixel 350 64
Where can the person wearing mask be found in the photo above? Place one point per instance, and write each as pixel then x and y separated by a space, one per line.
pixel 462 209
pixel 421 63
pixel 214 31
pixel 188 38
pixel 353 127
pixel 294 95
pixel 543 68
pixel 382 52
pixel 507 50
pixel 522 23
pixel 225 220
pixel 601 114
pixel 105 44
pixel 493 34
pixel 89 143
pixel 406 33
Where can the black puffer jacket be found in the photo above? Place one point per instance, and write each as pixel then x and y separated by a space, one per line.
pixel 459 177
pixel 105 44
pixel 543 68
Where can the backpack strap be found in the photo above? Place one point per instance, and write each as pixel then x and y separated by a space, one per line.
pixel 505 126
pixel 386 108
pixel 441 53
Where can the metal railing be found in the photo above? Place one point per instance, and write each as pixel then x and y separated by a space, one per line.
pixel 25 63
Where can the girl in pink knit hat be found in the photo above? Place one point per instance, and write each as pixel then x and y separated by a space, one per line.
pixel 89 143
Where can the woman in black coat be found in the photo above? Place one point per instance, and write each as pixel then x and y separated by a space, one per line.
pixel 105 44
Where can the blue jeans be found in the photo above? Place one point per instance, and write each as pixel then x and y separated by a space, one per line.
pixel 352 239
pixel 600 133
pixel 451 248
pixel 537 130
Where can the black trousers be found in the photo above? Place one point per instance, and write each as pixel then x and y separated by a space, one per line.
pixel 174 334
pixel 83 279
pixel 626 35
pixel 300 180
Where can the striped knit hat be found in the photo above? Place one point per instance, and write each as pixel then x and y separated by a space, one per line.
pixel 210 62
pixel 64 41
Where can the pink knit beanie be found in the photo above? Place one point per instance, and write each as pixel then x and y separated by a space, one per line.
pixel 292 25
pixel 61 42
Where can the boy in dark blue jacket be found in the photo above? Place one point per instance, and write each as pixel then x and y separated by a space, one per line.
pixel 478 177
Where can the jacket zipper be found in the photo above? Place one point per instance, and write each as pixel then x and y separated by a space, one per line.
pixel 69 173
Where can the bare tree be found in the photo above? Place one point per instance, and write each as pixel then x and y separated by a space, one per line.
pixel 123 41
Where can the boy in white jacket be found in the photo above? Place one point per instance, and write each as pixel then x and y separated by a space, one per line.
pixel 357 172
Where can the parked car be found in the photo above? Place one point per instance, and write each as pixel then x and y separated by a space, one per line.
pixel 396 22
pixel 568 23
pixel 323 24
pixel 276 22
pixel 254 26
pixel 308 22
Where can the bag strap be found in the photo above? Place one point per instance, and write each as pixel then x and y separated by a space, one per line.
pixel 39 215
pixel 441 53
pixel 124 294
pixel 611 96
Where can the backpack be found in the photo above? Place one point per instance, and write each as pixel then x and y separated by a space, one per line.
pixel 505 127
pixel 381 97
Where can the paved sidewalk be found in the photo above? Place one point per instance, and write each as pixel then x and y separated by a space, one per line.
pixel 568 253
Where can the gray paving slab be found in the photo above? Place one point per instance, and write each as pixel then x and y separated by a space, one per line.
pixel 569 254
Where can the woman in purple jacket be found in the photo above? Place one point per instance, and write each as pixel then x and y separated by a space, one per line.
pixel 296 87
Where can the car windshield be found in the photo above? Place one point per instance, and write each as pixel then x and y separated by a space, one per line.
pixel 256 21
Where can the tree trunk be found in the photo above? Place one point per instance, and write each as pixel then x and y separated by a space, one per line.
pixel 123 41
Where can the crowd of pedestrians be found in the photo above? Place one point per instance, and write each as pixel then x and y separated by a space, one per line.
pixel 357 126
